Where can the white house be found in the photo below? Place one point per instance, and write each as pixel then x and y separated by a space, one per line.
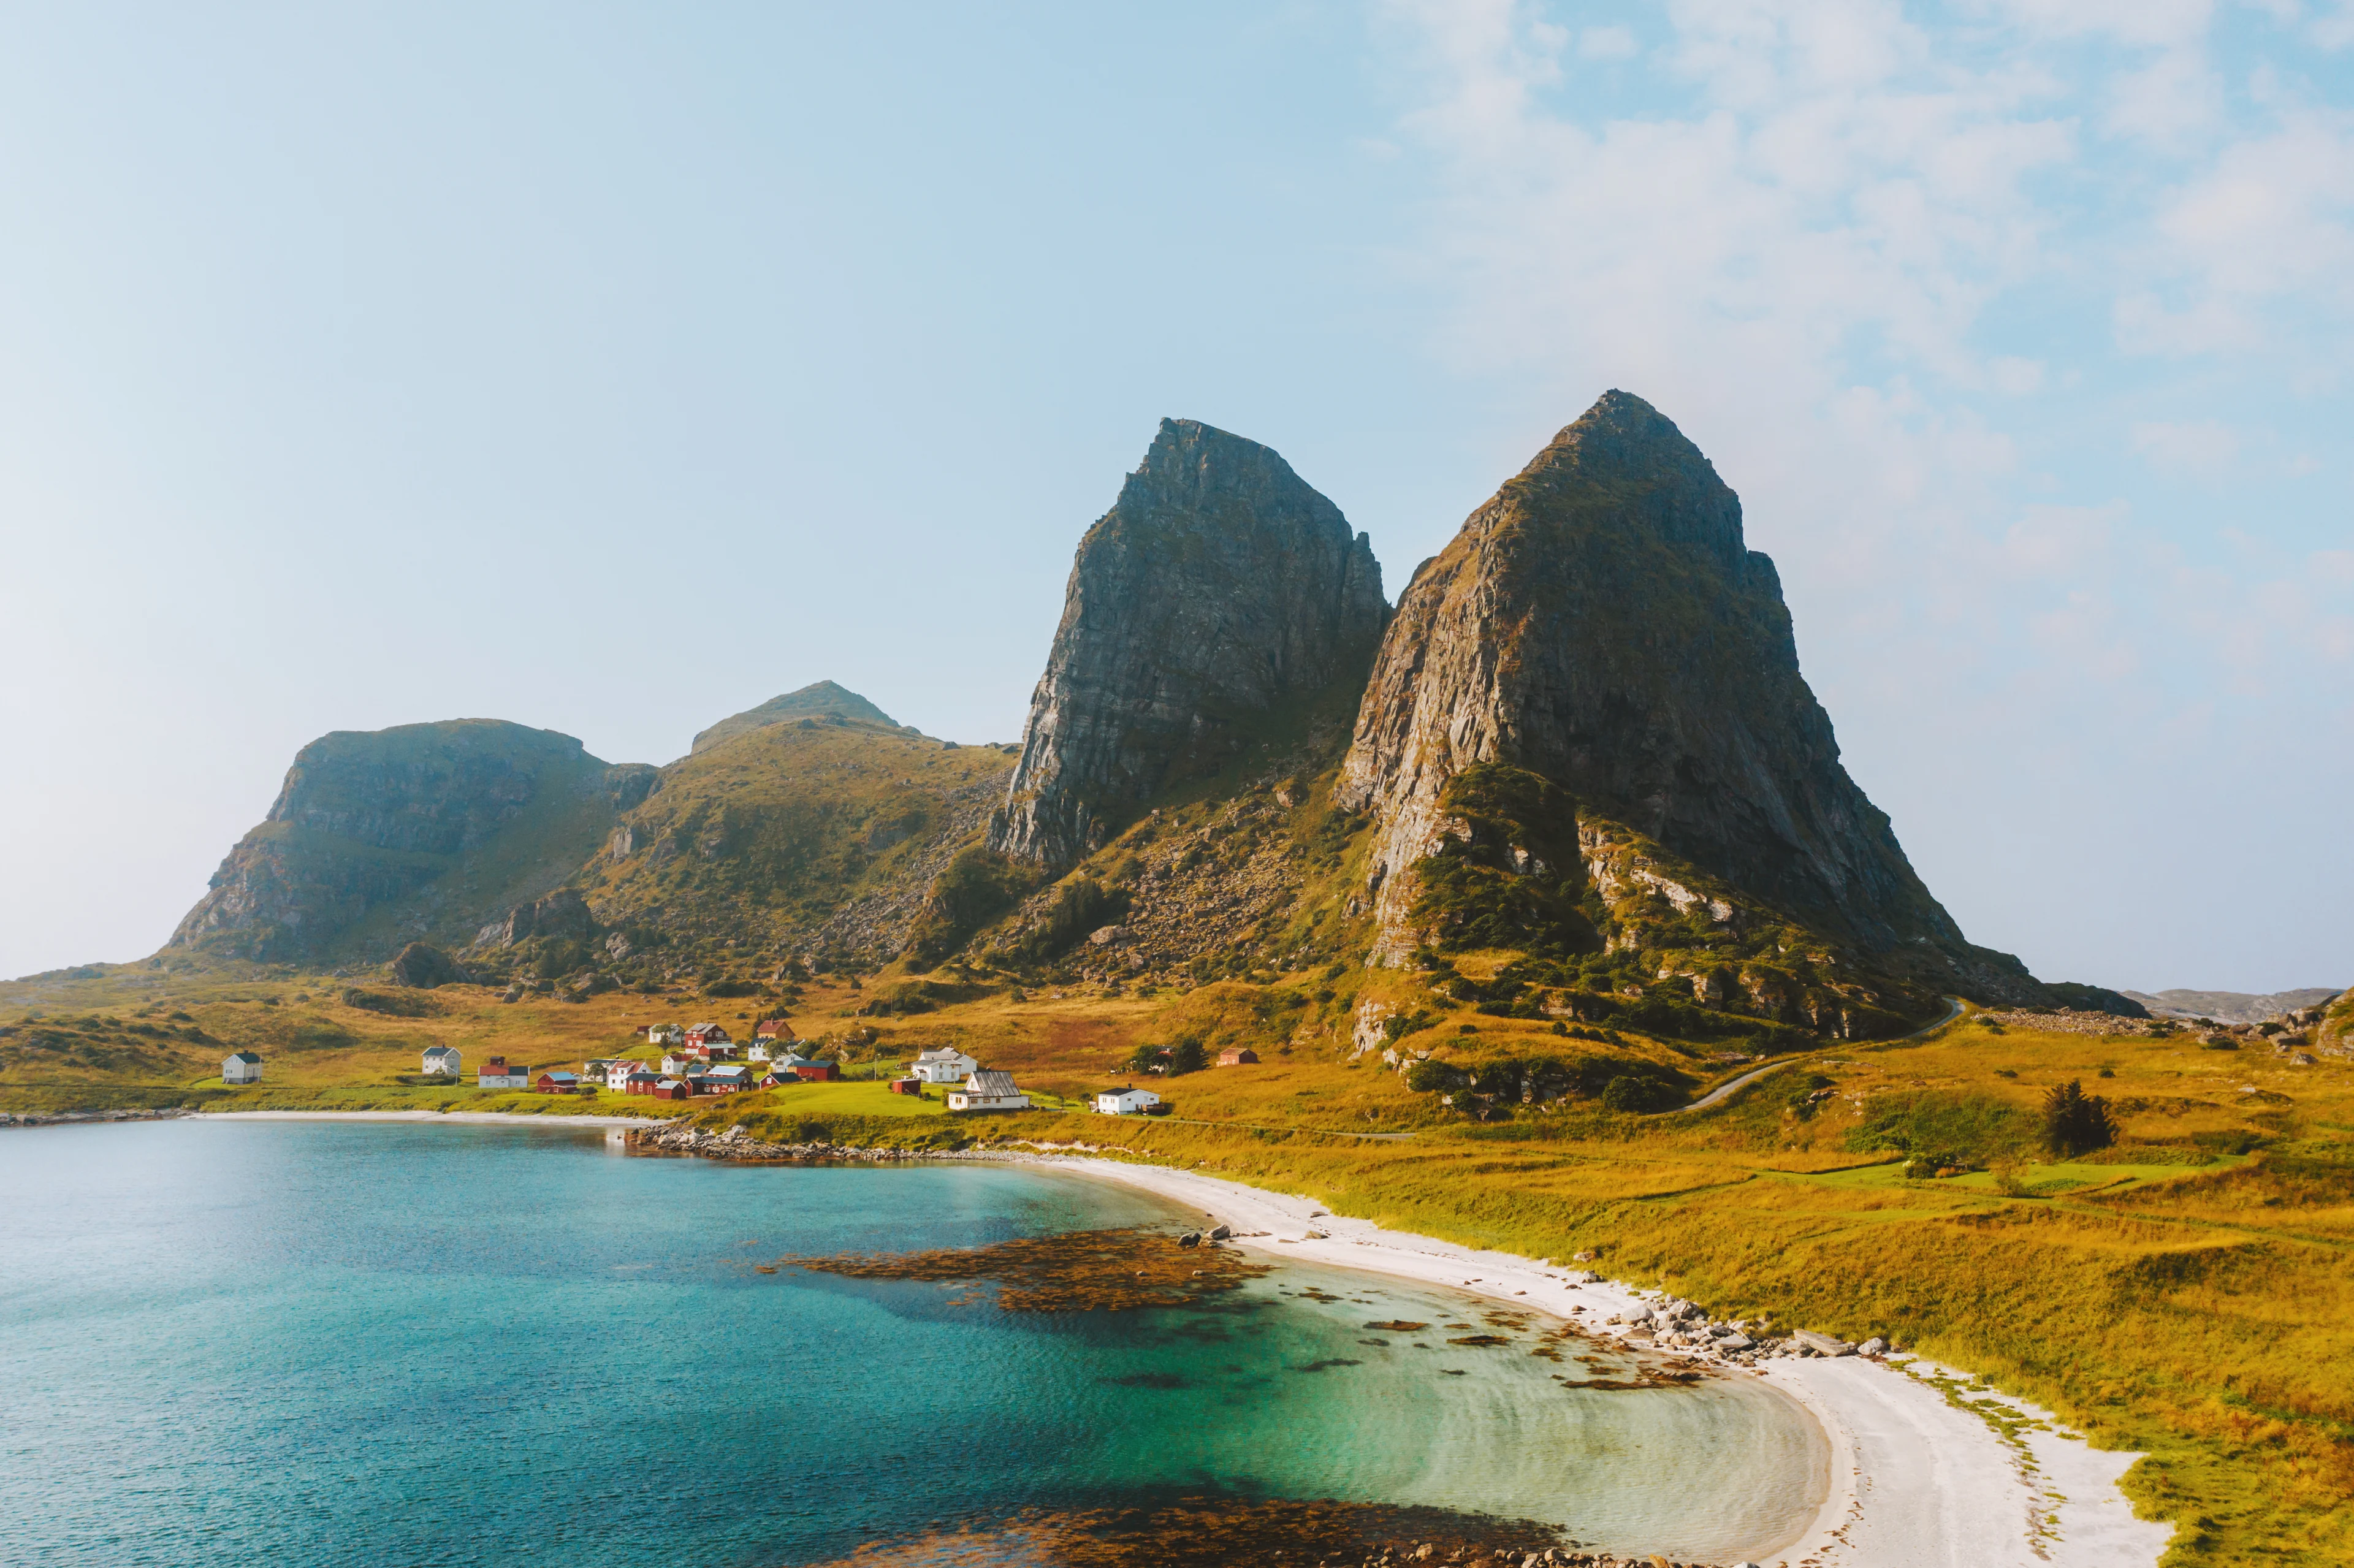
pixel 244 1067
pixel 617 1077
pixel 946 1066
pixel 988 1090
pixel 1126 1102
pixel 674 1066
pixel 665 1035
pixel 442 1059
pixel 495 1073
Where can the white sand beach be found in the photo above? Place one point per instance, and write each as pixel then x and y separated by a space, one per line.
pixel 1914 1483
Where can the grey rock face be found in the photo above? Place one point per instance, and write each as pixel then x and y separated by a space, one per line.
pixel 376 837
pixel 1601 623
pixel 1217 587
pixel 563 913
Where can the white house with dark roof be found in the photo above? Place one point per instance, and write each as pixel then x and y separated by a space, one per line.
pixel 442 1059
pixel 946 1066
pixel 244 1067
pixel 1127 1102
pixel 989 1089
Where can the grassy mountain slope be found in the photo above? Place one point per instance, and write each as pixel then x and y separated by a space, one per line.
pixel 813 836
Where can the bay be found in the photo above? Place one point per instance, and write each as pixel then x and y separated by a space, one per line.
pixel 303 1342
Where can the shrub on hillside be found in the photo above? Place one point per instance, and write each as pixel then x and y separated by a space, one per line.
pixel 976 886
pixel 2075 1122
pixel 1639 1093
pixel 1080 906
pixel 1516 880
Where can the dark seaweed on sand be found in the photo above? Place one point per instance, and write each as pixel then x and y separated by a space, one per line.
pixel 1207 1533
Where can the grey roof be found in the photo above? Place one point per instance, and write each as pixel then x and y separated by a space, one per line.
pixel 990 1081
pixel 244 1056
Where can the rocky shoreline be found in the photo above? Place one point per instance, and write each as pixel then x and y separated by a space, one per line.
pixel 1663 1324
pixel 71 1118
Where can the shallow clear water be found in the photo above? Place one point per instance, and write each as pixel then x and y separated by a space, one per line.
pixel 304 1342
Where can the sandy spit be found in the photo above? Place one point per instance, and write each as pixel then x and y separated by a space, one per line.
pixel 1914 1482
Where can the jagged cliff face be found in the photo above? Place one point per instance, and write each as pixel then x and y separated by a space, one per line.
pixel 1601 624
pixel 1217 588
pixel 420 831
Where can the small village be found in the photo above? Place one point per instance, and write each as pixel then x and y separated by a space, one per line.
pixel 701 1060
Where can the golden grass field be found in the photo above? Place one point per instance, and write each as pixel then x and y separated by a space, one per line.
pixel 2186 1293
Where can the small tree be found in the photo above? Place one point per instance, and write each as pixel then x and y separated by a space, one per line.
pixel 2075 1122
pixel 1186 1056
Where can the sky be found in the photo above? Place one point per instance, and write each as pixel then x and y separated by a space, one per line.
pixel 613 368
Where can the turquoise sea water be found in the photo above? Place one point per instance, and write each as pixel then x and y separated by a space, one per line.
pixel 313 1342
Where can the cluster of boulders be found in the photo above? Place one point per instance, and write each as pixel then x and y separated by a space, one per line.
pixel 1209 890
pixel 2071 1021
pixel 1680 1326
pixel 736 1143
pixel 2298 1034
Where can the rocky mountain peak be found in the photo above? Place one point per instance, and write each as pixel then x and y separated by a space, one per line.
pixel 1601 624
pixel 818 699
pixel 1218 587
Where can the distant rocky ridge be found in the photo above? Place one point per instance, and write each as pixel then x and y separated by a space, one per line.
pixel 817 699
pixel 1584 738
pixel 420 831
pixel 1218 585
pixel 2233 1006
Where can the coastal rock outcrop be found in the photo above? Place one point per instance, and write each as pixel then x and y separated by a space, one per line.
pixel 421 966
pixel 420 831
pixel 1601 626
pixel 1217 588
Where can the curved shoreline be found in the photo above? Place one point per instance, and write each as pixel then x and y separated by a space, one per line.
pixel 1914 1482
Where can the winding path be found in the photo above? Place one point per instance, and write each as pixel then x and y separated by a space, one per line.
pixel 1724 1091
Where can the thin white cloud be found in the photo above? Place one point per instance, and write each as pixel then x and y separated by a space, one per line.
pixel 1612 43
pixel 2061 542
pixel 2203 448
